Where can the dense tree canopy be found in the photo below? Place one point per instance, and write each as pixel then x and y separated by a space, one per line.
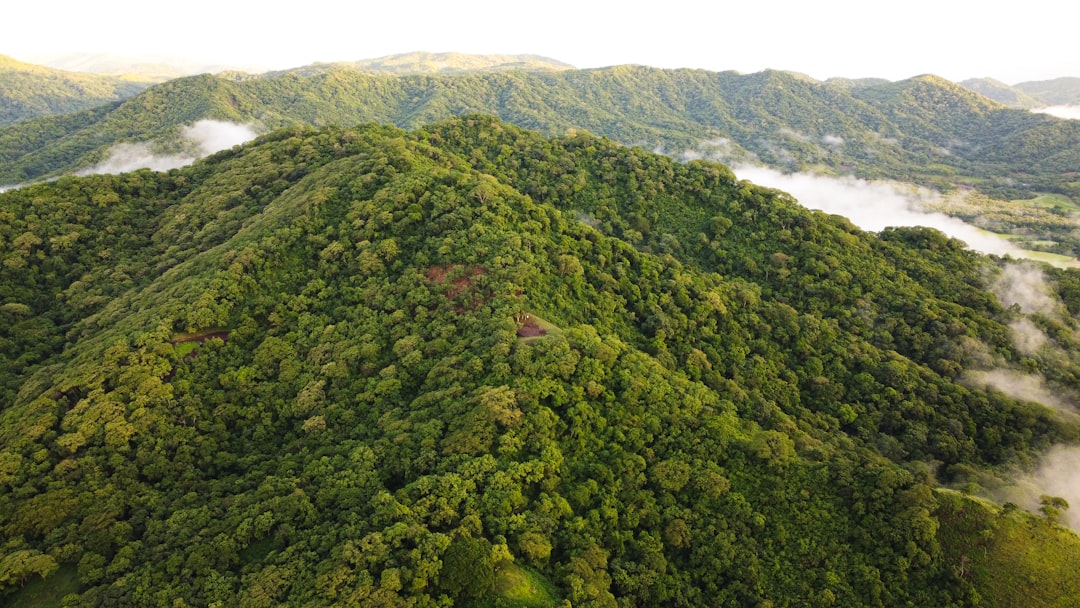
pixel 924 130
pixel 31 91
pixel 298 372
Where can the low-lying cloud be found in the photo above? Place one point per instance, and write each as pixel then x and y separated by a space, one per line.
pixel 1025 286
pixel 1027 337
pixel 1055 475
pixel 1069 112
pixel 202 138
pixel 1019 386
pixel 873 206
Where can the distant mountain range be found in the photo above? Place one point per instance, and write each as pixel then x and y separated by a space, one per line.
pixel 1029 95
pixel 156 68
pixel 441 63
pixel 925 129
pixel 479 364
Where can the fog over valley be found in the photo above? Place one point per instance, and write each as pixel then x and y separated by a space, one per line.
pixel 874 206
pixel 561 309
pixel 197 140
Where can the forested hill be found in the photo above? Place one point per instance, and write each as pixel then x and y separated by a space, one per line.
pixel 925 129
pixel 1033 94
pixel 470 365
pixel 1002 93
pixel 31 91
pixel 1059 91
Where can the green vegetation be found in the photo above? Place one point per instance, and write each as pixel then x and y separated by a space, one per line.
pixel 1028 95
pixel 1002 93
pixel 1046 223
pixel 745 403
pixel 1056 92
pixel 517 587
pixel 924 130
pixel 29 91
pixel 1013 557
pixel 1054 259
pixel 1053 201
pixel 44 592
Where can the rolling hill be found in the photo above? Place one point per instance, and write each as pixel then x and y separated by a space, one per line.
pixel 470 364
pixel 1056 92
pixel 29 91
pixel 924 130
pixel 1002 93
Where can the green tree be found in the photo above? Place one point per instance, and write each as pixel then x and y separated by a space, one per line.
pixel 467 568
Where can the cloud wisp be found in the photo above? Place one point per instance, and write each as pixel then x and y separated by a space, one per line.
pixel 873 206
pixel 1025 286
pixel 1068 112
pixel 1027 337
pixel 1055 475
pixel 203 138
pixel 1018 385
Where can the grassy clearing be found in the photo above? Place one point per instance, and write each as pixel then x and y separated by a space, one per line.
pixel 184 348
pixel 44 592
pixel 1048 200
pixel 1013 557
pixel 520 587
pixel 185 343
pixel 524 586
pixel 1054 259
pixel 549 329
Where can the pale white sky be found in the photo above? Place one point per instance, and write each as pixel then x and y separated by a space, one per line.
pixel 1030 40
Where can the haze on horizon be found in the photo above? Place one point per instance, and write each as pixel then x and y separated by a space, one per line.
pixel 836 38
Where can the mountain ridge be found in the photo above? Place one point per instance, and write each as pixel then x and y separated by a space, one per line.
pixel 896 130
pixel 1063 91
pixel 728 378
pixel 29 91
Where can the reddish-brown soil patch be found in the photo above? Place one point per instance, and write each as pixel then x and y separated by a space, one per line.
pixel 200 338
pixel 530 329
pixel 460 284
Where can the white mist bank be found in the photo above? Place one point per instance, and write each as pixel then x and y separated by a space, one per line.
pixel 205 137
pixel 1020 386
pixel 1055 475
pixel 873 206
pixel 1024 285
pixel 1069 112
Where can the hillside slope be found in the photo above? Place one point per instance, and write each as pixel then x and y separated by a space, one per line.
pixel 29 91
pixel 1002 93
pixel 1056 92
pixel 925 130
pixel 370 367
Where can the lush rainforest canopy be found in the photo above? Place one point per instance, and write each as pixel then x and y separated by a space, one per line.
pixel 472 365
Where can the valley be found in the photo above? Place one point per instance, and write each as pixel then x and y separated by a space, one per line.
pixel 517 337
